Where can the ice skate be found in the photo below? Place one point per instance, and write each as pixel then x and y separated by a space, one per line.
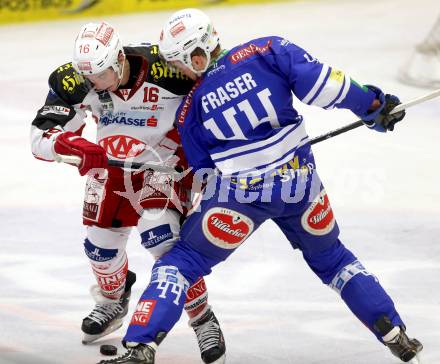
pixel 107 315
pixel 395 338
pixel 404 348
pixel 210 338
pixel 139 354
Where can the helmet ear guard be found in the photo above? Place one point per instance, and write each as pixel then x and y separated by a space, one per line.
pixel 185 31
pixel 97 47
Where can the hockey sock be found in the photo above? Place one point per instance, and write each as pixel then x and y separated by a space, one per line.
pixel 112 281
pixel 196 299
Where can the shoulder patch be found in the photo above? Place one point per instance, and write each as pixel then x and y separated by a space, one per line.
pixel 67 84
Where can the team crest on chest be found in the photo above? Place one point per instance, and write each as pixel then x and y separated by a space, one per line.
pixel 122 146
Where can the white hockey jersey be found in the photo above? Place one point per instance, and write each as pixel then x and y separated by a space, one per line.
pixel 132 122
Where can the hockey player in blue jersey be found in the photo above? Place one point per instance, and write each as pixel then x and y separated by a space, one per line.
pixel 239 121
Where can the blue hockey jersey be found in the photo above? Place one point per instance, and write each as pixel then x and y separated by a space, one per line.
pixel 239 117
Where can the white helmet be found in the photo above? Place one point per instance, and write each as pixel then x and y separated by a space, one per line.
pixel 97 48
pixel 185 31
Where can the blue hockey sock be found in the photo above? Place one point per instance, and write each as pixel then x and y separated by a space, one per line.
pixel 360 290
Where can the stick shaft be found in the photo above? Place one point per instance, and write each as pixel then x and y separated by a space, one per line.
pixel 135 165
pixel 359 123
pixel 72 159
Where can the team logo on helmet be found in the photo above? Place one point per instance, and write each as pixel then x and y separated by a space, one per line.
pixel 178 28
pixel 104 33
pixel 97 48
pixel 187 30
pixel 84 66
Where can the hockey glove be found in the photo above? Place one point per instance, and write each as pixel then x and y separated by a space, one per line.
pixel 380 119
pixel 91 154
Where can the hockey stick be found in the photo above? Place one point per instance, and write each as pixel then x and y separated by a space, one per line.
pixel 359 123
pixel 158 168
pixel 72 159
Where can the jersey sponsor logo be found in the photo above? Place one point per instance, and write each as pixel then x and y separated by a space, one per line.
pixel 104 33
pixel 154 107
pixel 122 146
pixel 156 236
pixel 53 109
pixel 98 254
pixel 70 82
pixel 248 51
pixel 226 228
pixel 94 195
pixel 196 298
pixel 159 70
pixel 187 103
pixel 152 122
pixel 154 49
pixel 114 282
pixel 144 310
pixel 318 219
pixel 131 121
pixel 64 67
pixel 197 290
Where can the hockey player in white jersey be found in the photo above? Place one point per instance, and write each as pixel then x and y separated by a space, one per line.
pixel 239 120
pixel 133 97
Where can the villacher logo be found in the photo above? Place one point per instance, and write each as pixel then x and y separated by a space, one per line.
pixel 318 218
pixel 226 228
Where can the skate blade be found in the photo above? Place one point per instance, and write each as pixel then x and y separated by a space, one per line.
pixel 87 338
pixel 222 360
pixel 415 360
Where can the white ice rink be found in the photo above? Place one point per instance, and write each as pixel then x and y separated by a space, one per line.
pixel 384 190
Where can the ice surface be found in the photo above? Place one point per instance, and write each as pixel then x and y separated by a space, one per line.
pixel 384 190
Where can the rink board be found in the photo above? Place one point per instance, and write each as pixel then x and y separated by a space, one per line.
pixel 38 10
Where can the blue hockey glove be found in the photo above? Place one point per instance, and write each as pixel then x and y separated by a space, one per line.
pixel 380 119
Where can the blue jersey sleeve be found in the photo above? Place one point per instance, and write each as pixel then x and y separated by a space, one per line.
pixel 316 83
